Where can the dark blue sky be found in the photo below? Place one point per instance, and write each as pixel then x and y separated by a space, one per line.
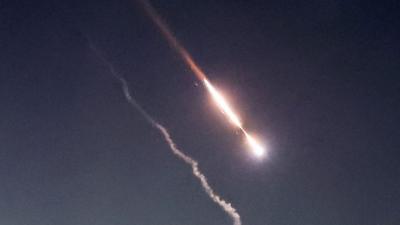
pixel 317 80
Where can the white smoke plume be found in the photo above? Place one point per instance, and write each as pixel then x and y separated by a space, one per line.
pixel 226 206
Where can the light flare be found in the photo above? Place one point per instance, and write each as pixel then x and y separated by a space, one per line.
pixel 219 99
pixel 223 104
pixel 256 148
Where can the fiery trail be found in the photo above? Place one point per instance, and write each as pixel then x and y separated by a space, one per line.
pixel 220 101
pixel 226 206
pixel 172 40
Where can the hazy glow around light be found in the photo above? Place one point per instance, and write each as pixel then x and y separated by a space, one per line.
pixel 256 147
pixel 223 104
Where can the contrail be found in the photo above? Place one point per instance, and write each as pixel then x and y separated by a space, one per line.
pixel 226 206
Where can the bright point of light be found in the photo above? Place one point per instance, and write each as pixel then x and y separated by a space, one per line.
pixel 257 149
pixel 223 104
pixel 255 146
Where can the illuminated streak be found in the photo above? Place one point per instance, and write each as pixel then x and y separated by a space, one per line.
pixel 256 148
pixel 172 40
pixel 223 104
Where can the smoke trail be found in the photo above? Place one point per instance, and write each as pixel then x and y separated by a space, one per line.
pixel 226 206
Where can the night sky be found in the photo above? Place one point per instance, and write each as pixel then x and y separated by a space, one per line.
pixel 318 81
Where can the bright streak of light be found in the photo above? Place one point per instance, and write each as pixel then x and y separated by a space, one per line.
pixel 223 104
pixel 257 149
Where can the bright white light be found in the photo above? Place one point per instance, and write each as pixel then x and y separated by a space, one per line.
pixel 256 147
pixel 223 104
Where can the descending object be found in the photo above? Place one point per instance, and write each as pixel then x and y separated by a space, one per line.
pixel 218 98
pixel 256 148
pixel 223 105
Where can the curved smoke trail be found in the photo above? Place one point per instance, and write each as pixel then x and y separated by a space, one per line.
pixel 226 206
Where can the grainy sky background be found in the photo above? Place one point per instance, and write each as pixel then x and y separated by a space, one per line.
pixel 317 80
